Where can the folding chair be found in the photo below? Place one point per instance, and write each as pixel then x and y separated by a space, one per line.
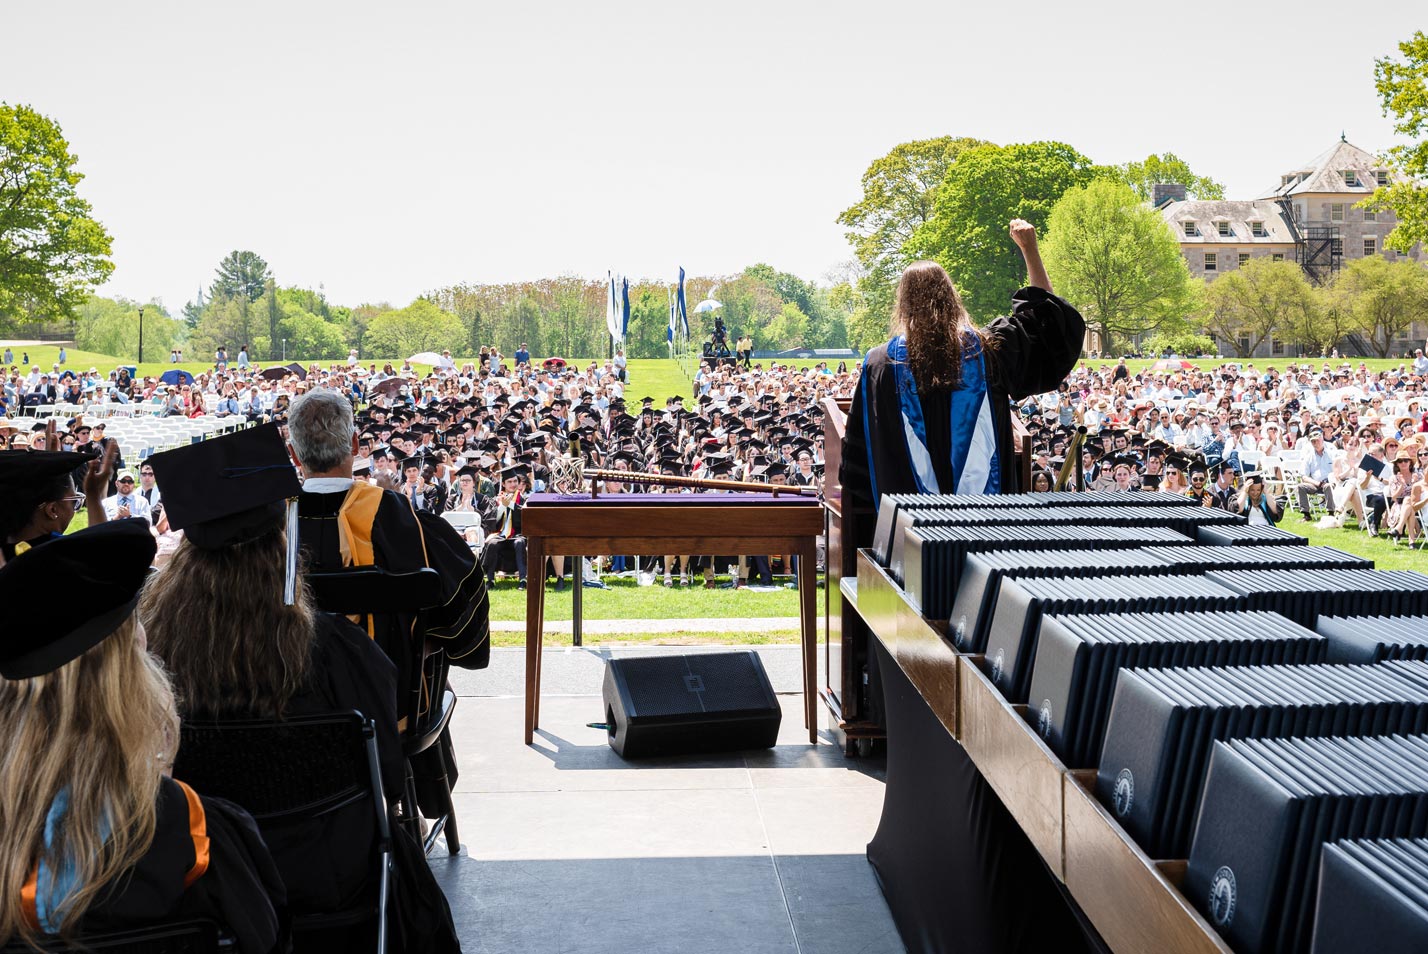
pixel 291 771
pixel 178 937
pixel 371 590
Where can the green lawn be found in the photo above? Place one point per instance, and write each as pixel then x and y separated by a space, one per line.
pixel 627 600
pixel 1385 554
pixel 668 638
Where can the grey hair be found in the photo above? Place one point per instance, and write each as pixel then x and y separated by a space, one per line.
pixel 320 428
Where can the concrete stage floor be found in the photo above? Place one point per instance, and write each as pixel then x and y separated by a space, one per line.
pixel 567 848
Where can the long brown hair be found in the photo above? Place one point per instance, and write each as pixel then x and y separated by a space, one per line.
pixel 217 620
pixel 102 729
pixel 930 312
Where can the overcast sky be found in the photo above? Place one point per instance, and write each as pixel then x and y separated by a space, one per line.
pixel 383 150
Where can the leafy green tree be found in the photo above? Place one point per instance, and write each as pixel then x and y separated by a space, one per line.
pixel 193 310
pixel 226 322
pixel 421 326
pixel 1168 167
pixel 1403 91
pixel 986 187
pixel 111 326
pixel 788 329
pixel 1258 300
pixel 1382 299
pixel 52 250
pixel 899 197
pixel 866 328
pixel 301 334
pixel 1115 258
pixel 241 274
pixel 1178 342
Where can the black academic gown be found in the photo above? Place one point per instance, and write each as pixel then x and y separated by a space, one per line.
pixel 327 863
pixel 404 540
pixel 1013 903
pixel 1029 352
pixel 239 886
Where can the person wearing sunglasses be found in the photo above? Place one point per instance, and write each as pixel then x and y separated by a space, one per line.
pixel 39 499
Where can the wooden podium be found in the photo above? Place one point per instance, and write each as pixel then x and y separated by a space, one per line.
pixel 658 524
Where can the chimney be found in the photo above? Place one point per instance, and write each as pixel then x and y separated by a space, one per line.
pixel 1163 193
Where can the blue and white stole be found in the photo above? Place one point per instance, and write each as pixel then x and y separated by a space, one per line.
pixel 976 465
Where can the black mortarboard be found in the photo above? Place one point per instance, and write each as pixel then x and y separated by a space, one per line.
pixel 718 465
pixel 1150 481
pixel 776 469
pixel 515 470
pixel 21 472
pixel 1179 461
pixel 45 627
pixel 230 490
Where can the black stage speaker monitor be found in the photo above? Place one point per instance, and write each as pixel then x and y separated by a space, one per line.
pixel 677 704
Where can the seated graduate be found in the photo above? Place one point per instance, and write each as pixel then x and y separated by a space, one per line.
pixel 95 835
pixel 38 496
pixel 243 641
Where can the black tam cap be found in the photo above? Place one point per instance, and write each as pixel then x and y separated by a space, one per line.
pixel 227 490
pixel 106 563
pixel 21 471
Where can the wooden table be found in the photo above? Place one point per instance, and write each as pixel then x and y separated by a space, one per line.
pixel 709 524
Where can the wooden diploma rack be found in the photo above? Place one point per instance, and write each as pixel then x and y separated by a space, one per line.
pixel 660 524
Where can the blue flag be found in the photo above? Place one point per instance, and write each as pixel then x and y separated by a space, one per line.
pixel 669 332
pixel 625 308
pixel 679 302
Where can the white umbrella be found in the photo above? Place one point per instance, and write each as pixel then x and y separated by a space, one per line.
pixel 707 304
pixel 425 357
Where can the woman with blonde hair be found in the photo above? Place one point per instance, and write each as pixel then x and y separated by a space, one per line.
pixel 94 835
pixel 231 618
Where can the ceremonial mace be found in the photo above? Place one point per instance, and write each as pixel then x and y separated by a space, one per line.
pixel 569 473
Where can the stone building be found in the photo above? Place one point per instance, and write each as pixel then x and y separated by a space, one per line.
pixel 1310 217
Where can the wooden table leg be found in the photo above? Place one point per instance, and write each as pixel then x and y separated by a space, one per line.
pixel 808 620
pixel 535 624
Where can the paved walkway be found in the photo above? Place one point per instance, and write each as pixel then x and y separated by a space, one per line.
pixel 614 627
pixel 568 848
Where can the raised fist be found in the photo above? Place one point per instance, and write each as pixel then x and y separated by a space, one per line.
pixel 1023 233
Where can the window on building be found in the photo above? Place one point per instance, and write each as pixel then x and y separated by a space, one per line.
pixel 1402 334
pixel 1190 228
pixel 1351 178
pixel 1277 257
pixel 1370 215
pixel 1370 246
pixel 1257 229
pixel 1336 211
pixel 1210 261
pixel 1381 176
pixel 1244 259
pixel 1223 228
pixel 1277 347
pixel 1244 344
pixel 1299 211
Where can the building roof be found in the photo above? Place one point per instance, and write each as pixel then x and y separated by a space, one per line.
pixel 1325 173
pixel 1207 213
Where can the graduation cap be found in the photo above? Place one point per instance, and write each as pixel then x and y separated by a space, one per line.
pixel 1123 459
pixel 1150 481
pixel 1179 461
pixel 45 627
pixel 22 472
pixel 517 469
pixel 776 469
pixel 718 465
pixel 230 490
pixel 646 401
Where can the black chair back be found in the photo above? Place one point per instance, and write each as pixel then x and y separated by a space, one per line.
pixel 299 768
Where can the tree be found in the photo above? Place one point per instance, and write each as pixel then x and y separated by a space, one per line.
pixel 1251 303
pixel 52 250
pixel 1403 91
pixel 986 187
pixel 899 196
pixel 305 335
pixel 1168 167
pixel 274 312
pixel 421 326
pixel 1382 299
pixel 111 326
pixel 1115 257
pixel 241 275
